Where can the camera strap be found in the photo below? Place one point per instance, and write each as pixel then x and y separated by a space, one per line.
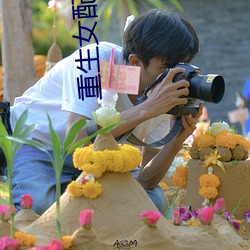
pixel 131 138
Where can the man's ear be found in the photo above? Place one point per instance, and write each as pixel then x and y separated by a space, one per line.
pixel 134 60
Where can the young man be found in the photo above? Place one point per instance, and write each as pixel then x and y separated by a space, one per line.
pixel 154 41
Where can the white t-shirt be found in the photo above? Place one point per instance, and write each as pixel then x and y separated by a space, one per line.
pixel 57 92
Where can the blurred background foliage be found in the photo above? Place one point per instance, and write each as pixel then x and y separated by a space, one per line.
pixel 42 20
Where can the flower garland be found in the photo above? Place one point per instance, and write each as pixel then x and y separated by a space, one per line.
pixel 98 162
pixel 95 163
pixel 208 186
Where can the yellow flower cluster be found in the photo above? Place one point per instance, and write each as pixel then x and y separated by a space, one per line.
pixel 180 177
pixel 27 240
pixel 90 189
pixel 67 242
pixel 226 139
pixel 193 223
pixel 98 162
pixel 208 186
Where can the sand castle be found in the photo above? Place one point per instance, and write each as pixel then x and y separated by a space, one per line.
pixel 117 224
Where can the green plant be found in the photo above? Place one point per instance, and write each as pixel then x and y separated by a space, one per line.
pixel 10 148
pixel 60 152
pixel 4 193
pixel 42 31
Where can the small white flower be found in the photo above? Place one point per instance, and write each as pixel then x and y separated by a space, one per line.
pixel 217 127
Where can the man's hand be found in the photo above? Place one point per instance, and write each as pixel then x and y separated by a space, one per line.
pixel 188 125
pixel 167 94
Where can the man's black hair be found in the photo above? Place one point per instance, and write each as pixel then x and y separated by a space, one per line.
pixel 161 34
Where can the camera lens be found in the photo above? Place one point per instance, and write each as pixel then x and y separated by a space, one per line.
pixel 209 88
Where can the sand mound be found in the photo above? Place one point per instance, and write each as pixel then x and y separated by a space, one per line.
pixel 117 224
pixel 234 185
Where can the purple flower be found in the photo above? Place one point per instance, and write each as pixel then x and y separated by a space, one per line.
pixel 236 224
pixel 247 214
pixel 195 214
pixel 228 216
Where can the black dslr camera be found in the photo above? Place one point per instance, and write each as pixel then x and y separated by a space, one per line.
pixel 209 88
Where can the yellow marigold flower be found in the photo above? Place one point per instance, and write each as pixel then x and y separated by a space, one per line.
pixel 83 156
pixel 97 162
pixel 164 186
pixel 180 177
pixel 75 189
pixel 67 242
pixel 208 192
pixel 28 240
pixel 131 157
pixel 99 158
pixel 206 141
pixel 193 223
pixel 209 180
pixel 114 160
pixel 93 169
pixel 92 189
pixel 226 140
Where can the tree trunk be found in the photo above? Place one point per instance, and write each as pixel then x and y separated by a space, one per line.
pixel 17 48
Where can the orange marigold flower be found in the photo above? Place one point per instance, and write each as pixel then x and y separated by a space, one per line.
pixel 206 141
pixel 24 239
pixel 209 180
pixel 208 192
pixel 242 141
pixel 225 139
pixel 180 177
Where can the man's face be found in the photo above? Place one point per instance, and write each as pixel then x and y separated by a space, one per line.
pixel 149 75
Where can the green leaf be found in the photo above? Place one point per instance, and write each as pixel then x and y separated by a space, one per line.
pixel 35 144
pixel 23 134
pixel 71 136
pixel 172 207
pixel 238 205
pixel 5 144
pixel 56 147
pixel 20 123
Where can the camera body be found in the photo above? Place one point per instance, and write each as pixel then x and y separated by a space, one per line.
pixel 209 88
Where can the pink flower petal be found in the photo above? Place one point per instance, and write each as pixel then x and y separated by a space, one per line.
pixel 150 217
pixel 86 218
